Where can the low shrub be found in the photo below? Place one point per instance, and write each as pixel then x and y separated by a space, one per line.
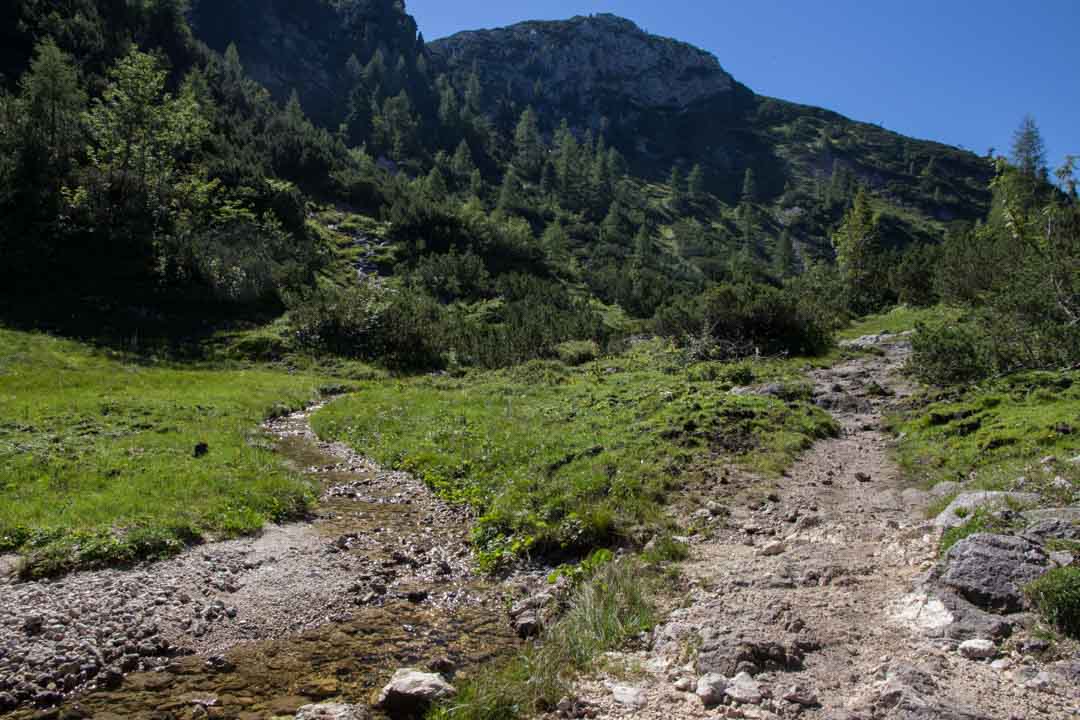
pixel 577 352
pixel 949 353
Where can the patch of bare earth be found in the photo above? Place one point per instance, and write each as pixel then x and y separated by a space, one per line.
pixel 812 604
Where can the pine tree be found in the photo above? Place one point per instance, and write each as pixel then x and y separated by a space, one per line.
pixel 1028 150
pixel 528 152
pixel 749 187
pixel 50 103
pixel 677 189
pixel 435 184
pixel 643 245
pixel 510 194
pixel 696 183
pixel 858 254
pixel 555 242
pixel 784 261
pixel 462 164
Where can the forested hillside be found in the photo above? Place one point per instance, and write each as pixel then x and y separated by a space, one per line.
pixel 260 171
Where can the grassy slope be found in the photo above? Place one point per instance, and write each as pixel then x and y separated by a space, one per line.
pixel 558 458
pixel 995 433
pixel 96 453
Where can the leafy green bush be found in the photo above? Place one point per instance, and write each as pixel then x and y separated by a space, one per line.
pixel 453 276
pixel 347 322
pixel 1057 596
pixel 577 352
pixel 755 318
pixel 949 353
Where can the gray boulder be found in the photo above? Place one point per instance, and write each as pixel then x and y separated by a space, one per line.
pixel 961 508
pixel 711 688
pixel 991 570
pixel 410 692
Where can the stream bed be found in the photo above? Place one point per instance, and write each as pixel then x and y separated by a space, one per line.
pixel 327 610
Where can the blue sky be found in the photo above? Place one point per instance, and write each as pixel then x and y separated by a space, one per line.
pixel 962 72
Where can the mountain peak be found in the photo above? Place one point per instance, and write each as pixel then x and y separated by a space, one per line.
pixel 587 59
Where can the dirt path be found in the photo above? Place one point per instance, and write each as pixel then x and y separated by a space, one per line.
pixel 811 593
pixel 381 578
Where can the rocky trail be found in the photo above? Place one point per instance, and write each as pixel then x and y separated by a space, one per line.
pixel 259 627
pixel 826 601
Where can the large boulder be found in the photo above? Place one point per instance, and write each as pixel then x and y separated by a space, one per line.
pixel 411 692
pixel 992 570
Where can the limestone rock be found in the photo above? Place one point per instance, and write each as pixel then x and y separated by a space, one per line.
pixel 744 689
pixel 331 711
pixel 978 649
pixel 591 59
pixel 774 548
pixel 410 692
pixel 991 570
pixel 628 695
pixel 711 687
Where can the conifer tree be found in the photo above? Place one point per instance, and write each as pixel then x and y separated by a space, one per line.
pixel 784 261
pixel 50 104
pixel 858 254
pixel 510 193
pixel 696 183
pixel 1028 150
pixel 528 153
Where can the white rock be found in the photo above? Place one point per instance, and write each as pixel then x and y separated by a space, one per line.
pixel 628 695
pixel 922 611
pixel 411 691
pixel 711 687
pixel 744 689
pixel 685 684
pixel 978 649
pixel 1002 664
pixel 1042 681
pixel 774 548
pixel 329 711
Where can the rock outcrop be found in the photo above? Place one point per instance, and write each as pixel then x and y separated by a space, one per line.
pixel 586 60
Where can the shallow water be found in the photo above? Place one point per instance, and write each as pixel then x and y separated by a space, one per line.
pixel 461 625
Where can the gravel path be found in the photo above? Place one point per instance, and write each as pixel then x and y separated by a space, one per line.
pixel 814 595
pixel 380 537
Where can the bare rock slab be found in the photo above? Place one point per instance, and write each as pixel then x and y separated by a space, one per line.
pixel 991 570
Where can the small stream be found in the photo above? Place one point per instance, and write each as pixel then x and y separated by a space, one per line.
pixel 450 622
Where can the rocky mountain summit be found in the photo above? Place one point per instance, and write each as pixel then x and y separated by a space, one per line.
pixel 590 62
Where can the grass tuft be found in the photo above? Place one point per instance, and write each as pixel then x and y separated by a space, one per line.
pixel 606 611
pixel 1057 597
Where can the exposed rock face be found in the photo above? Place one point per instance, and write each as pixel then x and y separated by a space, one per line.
pixel 584 60
pixel 991 570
